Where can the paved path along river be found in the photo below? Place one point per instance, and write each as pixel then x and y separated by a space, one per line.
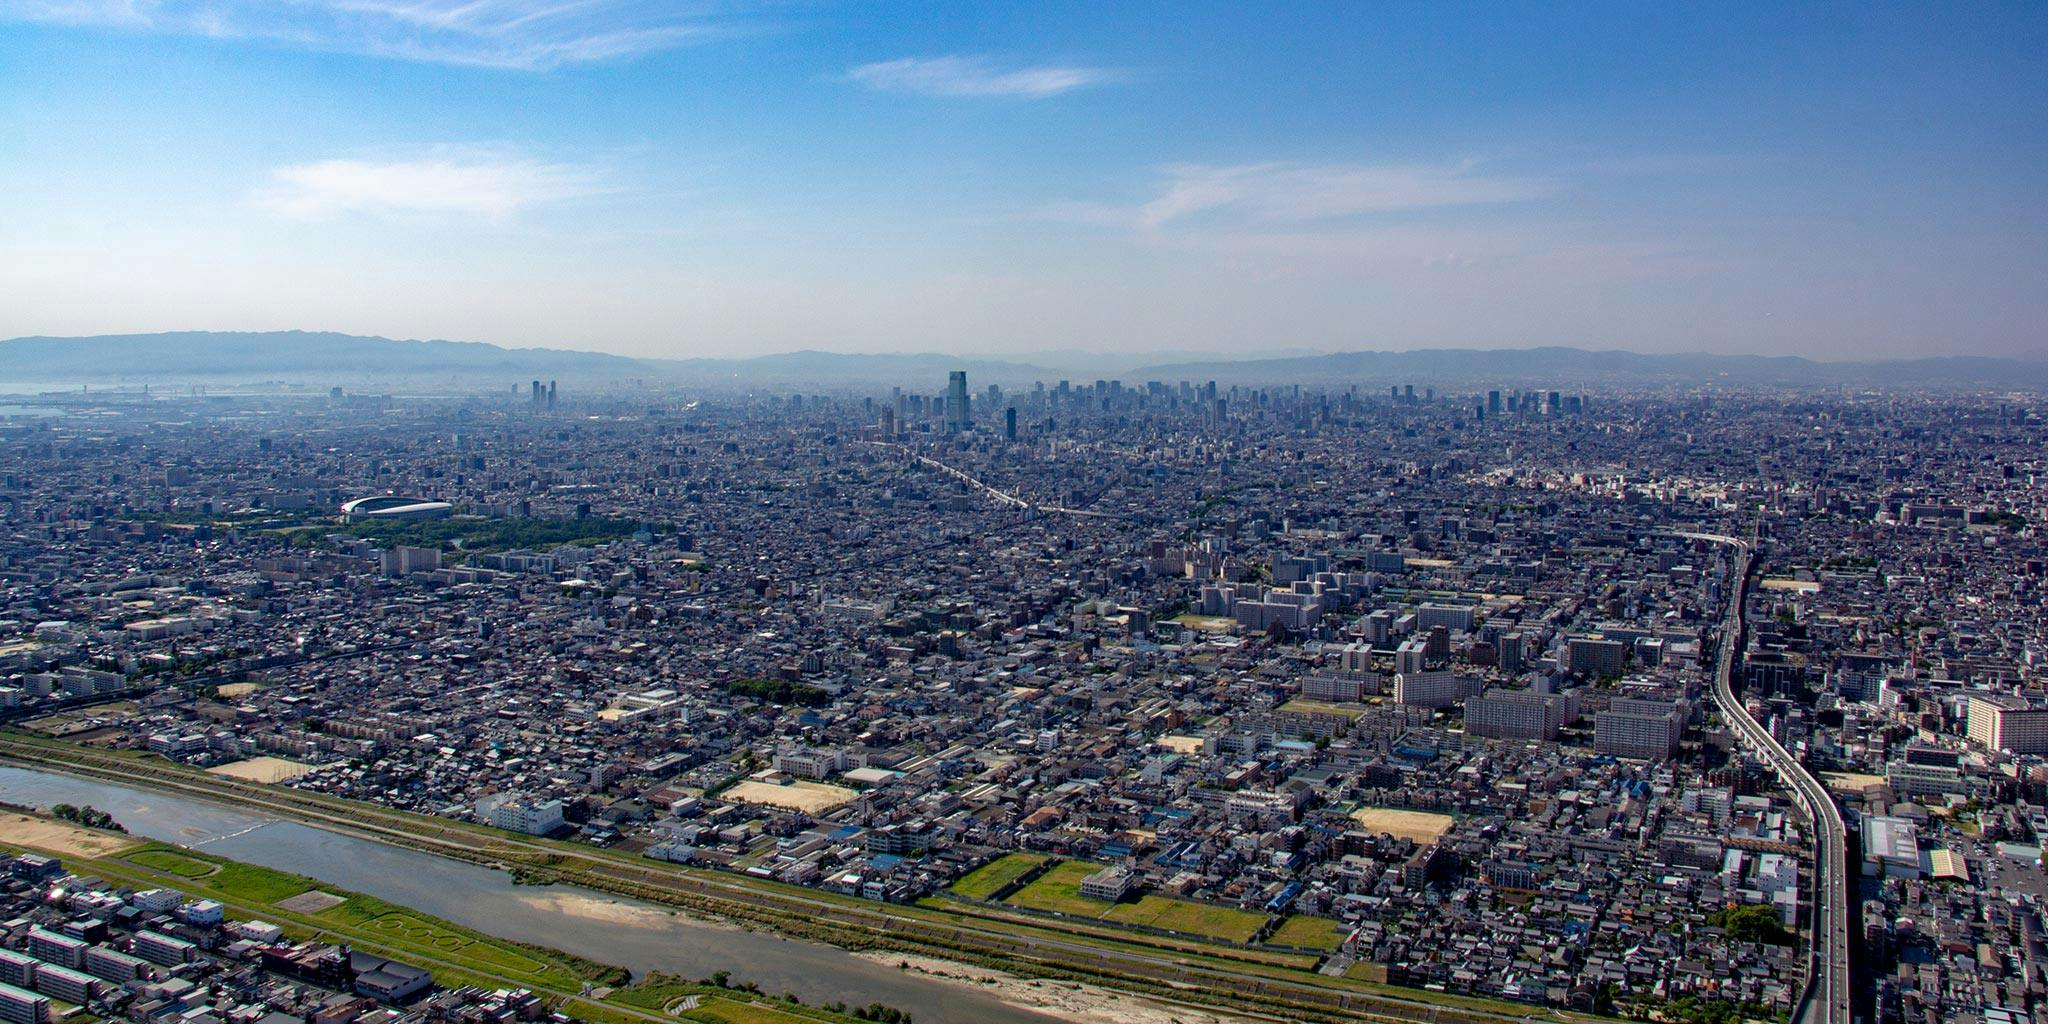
pixel 639 936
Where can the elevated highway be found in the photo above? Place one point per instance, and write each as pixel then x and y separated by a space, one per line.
pixel 1829 998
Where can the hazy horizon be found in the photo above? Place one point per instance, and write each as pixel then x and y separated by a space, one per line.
pixel 652 180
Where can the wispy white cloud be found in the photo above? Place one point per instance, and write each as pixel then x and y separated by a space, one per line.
pixel 533 35
pixel 129 13
pixel 976 76
pixel 1297 194
pixel 492 187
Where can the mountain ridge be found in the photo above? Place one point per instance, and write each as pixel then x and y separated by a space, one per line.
pixel 244 354
pixel 1565 364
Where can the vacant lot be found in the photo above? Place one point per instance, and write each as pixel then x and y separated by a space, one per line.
pixel 61 839
pixel 1781 583
pixel 1421 826
pixel 312 901
pixel 1060 890
pixel 808 797
pixel 1316 707
pixel 1190 918
pixel 1851 783
pixel 1307 932
pixel 263 769
pixel 1207 623
pixel 982 882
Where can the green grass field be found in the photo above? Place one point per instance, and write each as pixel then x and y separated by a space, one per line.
pixel 444 940
pixel 1190 918
pixel 425 935
pixel 655 991
pixel 258 884
pixel 420 933
pixel 1307 932
pixel 171 862
pixel 984 881
pixel 1060 890
pixel 726 1011
pixel 1367 971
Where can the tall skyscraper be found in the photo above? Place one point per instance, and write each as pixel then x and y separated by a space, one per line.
pixel 957 420
pixel 1010 423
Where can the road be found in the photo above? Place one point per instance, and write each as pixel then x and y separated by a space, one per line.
pixel 987 488
pixel 1829 997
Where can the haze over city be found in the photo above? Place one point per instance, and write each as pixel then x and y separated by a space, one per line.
pixel 682 180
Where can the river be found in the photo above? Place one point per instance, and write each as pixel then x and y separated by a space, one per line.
pixel 642 937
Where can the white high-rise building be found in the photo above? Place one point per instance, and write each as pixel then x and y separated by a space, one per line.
pixel 1642 729
pixel 518 812
pixel 2004 722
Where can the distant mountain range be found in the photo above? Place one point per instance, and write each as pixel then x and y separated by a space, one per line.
pixel 317 357
pixel 236 354
pixel 320 357
pixel 923 371
pixel 1564 367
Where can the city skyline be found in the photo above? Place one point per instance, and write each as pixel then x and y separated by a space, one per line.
pixel 1839 182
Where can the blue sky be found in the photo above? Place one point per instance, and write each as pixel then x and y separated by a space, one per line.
pixel 674 178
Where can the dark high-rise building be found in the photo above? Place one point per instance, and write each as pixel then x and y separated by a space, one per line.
pixel 1512 650
pixel 956 402
pixel 1493 401
pixel 1010 423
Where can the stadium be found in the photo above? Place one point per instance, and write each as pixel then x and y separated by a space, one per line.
pixel 394 506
